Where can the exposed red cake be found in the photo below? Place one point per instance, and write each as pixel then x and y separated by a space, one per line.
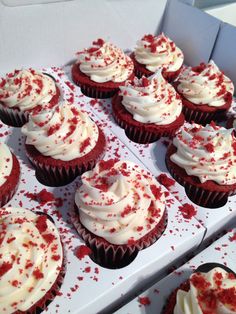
pixel 93 89
pixel 140 70
pixel 8 189
pixel 142 132
pixel 55 172
pixel 207 194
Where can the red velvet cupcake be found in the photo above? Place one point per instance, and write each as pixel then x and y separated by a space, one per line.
pixel 62 144
pixel 9 174
pixel 30 249
pixel 119 210
pixel 206 93
pixel 148 108
pixel 24 91
pixel 154 52
pixel 212 291
pixel 101 69
pixel 203 160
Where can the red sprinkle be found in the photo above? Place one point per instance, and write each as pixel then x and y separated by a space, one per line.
pixel 41 223
pixel 82 251
pixel 144 300
pixel 187 210
pixel 4 268
pixel 38 274
pixel 44 196
pixel 165 180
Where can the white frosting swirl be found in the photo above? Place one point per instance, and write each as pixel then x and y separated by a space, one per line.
pixel 212 292
pixel 105 62
pixel 208 153
pixel 119 201
pixel 30 259
pixel 25 89
pixel 63 133
pixel 151 100
pixel 158 51
pixel 6 162
pixel 205 84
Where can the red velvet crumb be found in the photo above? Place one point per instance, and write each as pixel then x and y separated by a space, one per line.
pixel 165 180
pixel 144 300
pixel 187 210
pixel 82 251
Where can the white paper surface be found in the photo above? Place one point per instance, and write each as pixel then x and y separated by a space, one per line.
pixel 222 251
pixel 99 286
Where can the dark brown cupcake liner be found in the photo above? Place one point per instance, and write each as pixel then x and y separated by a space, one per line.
pixel 198 116
pixel 13 116
pixel 58 176
pixel 141 136
pixel 199 195
pixel 116 256
pixel 92 92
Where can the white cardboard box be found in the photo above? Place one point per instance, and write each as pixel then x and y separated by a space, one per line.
pixel 222 251
pixel 100 287
pixel 49 35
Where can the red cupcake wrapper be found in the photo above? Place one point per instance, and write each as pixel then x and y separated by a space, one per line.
pixel 17 118
pixel 199 195
pixel 8 189
pixel 49 296
pixel 116 256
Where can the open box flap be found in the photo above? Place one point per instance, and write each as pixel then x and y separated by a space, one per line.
pixel 192 30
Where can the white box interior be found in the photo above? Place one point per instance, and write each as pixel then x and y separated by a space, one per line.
pixel 100 287
pixel 222 251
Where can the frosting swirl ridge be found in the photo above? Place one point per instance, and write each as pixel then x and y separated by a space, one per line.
pixel 208 153
pixel 119 201
pixel 105 62
pixel 205 84
pixel 151 100
pixel 31 258
pixel 25 89
pixel 158 51
pixel 63 133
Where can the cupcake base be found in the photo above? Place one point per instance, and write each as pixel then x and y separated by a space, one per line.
pixel 93 89
pixel 141 70
pixel 55 172
pixel 208 194
pixel 9 187
pixel 17 118
pixel 142 132
pixel 116 256
pixel 203 114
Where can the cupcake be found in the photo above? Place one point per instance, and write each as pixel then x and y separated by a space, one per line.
pixel 148 108
pixel 206 92
pixel 203 160
pixel 101 69
pixel 24 91
pixel 153 52
pixel 62 143
pixel 31 264
pixel 205 292
pixel 119 210
pixel 9 174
